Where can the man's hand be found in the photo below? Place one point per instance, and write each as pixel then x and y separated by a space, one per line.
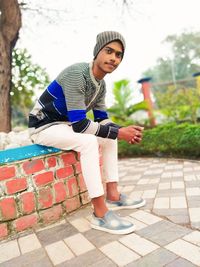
pixel 131 134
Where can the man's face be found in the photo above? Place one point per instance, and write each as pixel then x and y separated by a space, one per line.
pixel 109 57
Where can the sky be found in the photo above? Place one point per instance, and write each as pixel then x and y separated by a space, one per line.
pixel 56 40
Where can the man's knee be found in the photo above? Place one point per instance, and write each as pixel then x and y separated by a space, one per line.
pixel 90 141
pixel 104 142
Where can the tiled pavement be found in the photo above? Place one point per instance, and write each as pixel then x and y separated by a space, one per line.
pixel 167 227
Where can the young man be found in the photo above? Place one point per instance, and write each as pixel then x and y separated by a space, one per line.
pixel 59 120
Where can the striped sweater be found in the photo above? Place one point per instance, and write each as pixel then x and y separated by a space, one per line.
pixel 68 99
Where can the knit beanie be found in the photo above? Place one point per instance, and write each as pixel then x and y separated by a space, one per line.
pixel 106 37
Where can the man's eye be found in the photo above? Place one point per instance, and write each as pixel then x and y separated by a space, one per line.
pixel 109 51
pixel 119 55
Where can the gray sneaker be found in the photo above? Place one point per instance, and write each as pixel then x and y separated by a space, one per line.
pixel 125 203
pixel 112 224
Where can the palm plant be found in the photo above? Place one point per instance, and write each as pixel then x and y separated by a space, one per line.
pixel 123 108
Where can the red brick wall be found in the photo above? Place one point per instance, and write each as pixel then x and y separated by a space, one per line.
pixel 39 191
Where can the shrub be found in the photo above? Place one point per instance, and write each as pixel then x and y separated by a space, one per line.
pixel 170 140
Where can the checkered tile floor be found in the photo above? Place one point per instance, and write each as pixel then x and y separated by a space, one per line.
pixel 167 231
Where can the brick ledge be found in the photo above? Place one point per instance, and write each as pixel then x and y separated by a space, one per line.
pixel 38 186
pixel 25 152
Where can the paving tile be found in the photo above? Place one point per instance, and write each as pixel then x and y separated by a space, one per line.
pixel 166 180
pixel 133 177
pixel 153 172
pixel 79 244
pixel 149 205
pixel 58 252
pixel 36 258
pixel 193 201
pixel 158 258
pixel 154 181
pixel 163 232
pixel 193 237
pixel 149 193
pixel 164 186
pixel 195 225
pixel 122 174
pixel 50 226
pixel 82 212
pixel 194 214
pixel 104 262
pixel 122 167
pixel 179 219
pixel 178 185
pixel 145 217
pixel 143 181
pixel 136 194
pixel 175 215
pixel 6 248
pixel 192 183
pixel 123 212
pixel 93 258
pixel 180 263
pixel 177 174
pixel 139 169
pixel 99 238
pixel 134 170
pixel 169 167
pixel 193 191
pixel 115 250
pixel 126 189
pixel 89 218
pixel 157 165
pixel 81 224
pixel 187 169
pixel 175 161
pixel 174 167
pixel 154 229
pixel 28 243
pixel 161 203
pixel 178 202
pixel 166 175
pixel 170 193
pixel 120 187
pixel 57 233
pixel 139 225
pixel 185 250
pixel 171 212
pixel 145 187
pixel 140 245
pixel 178 179
pixel 127 182
pixel 188 163
pixel 190 177
pixel 168 236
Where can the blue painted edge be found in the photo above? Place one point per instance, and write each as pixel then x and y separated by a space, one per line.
pixel 24 152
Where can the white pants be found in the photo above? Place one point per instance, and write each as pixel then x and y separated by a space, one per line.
pixel 63 137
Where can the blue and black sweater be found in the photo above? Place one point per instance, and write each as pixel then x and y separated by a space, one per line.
pixel 67 100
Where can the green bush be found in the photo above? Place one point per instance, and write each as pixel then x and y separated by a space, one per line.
pixel 170 140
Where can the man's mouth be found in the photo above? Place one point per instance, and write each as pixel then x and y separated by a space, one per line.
pixel 111 65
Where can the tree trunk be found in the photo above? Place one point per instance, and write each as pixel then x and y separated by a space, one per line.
pixel 10 23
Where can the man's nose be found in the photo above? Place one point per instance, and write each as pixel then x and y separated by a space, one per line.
pixel 113 57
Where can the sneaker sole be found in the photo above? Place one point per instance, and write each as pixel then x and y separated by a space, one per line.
pixel 139 205
pixel 115 232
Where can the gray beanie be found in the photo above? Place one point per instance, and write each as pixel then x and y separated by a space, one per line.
pixel 104 38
